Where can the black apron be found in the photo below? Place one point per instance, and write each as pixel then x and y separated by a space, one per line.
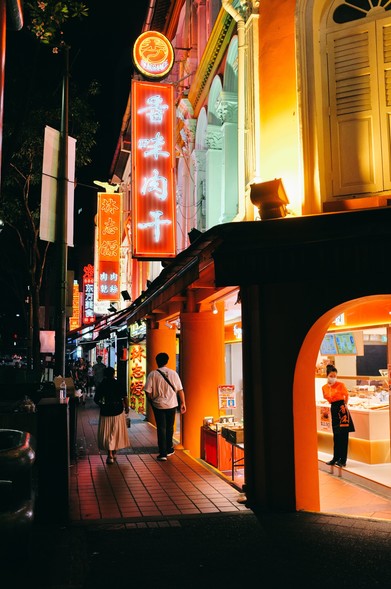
pixel 341 420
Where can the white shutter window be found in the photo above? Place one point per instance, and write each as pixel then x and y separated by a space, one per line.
pixel 383 29
pixel 354 114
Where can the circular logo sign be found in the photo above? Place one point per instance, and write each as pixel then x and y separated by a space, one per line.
pixel 153 55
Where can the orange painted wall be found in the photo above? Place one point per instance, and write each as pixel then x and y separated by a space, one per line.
pixel 367 312
pixel 280 155
pixel 202 371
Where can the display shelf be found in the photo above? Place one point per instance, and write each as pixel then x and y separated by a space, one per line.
pixel 217 451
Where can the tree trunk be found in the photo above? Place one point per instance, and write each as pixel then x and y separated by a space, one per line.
pixel 35 328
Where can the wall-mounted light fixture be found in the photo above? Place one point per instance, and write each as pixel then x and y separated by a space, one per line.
pixel 214 309
pixel 270 198
pixel 125 295
pixel 112 309
pixel 169 325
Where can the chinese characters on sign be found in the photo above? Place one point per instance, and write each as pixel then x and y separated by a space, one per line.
pixel 153 194
pixel 88 294
pixel 74 321
pixel 109 242
pixel 137 368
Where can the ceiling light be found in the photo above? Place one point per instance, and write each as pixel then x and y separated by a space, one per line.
pixel 214 308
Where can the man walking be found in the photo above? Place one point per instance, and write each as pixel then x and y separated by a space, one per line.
pixel 164 389
pixel 98 371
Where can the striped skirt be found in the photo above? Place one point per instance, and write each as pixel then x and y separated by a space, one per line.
pixel 112 432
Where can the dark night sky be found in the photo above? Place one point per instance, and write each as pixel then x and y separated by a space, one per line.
pixel 101 49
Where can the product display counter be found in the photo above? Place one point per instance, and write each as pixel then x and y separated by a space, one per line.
pixel 370 443
pixel 369 407
pixel 219 451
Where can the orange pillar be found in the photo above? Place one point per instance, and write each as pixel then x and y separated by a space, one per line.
pixel 202 370
pixel 160 339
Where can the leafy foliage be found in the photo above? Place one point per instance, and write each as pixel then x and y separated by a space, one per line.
pixel 47 19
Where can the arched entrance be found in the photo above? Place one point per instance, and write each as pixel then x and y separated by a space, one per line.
pixel 370 310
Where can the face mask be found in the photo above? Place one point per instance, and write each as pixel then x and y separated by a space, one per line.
pixel 331 380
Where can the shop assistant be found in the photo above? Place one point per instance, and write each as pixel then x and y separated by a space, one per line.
pixel 337 395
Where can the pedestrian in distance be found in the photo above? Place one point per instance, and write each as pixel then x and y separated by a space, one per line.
pixel 337 395
pixel 98 371
pixel 164 391
pixel 114 406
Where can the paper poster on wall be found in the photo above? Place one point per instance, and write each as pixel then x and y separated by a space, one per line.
pixel 227 396
pixel 325 421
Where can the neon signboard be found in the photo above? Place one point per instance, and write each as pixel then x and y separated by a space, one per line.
pixel 153 193
pixel 109 243
pixel 88 294
pixel 153 55
pixel 74 321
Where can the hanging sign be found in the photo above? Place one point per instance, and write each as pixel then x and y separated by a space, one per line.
pixel 153 55
pixel 74 321
pixel 153 191
pixel 109 242
pixel 88 294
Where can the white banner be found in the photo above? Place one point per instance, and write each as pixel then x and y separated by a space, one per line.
pixel 51 151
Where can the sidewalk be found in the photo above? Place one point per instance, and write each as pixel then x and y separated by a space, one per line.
pixel 137 485
pixel 162 524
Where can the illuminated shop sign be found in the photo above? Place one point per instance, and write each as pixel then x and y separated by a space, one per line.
pixel 137 371
pixel 74 321
pixel 153 194
pixel 88 294
pixel 109 242
pixel 153 55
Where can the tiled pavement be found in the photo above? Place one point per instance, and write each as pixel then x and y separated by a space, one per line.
pixel 137 485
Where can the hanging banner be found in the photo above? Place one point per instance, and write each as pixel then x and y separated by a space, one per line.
pixel 153 185
pixel 50 166
pixel 109 243
pixel 74 321
pixel 88 294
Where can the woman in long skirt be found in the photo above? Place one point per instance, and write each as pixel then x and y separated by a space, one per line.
pixel 114 406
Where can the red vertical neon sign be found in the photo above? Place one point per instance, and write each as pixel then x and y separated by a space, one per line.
pixel 153 193
pixel 109 242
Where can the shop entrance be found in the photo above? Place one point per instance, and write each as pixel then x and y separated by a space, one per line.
pixel 365 321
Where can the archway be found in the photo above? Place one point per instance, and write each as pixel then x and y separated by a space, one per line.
pixel 305 437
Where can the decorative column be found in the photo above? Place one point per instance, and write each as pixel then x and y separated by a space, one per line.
pixel 227 108
pixel 198 157
pixel 202 371
pixel 215 200
pixel 159 339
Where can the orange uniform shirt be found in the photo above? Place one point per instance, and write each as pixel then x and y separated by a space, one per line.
pixel 335 392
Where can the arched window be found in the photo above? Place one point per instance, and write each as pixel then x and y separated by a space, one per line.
pixel 356 9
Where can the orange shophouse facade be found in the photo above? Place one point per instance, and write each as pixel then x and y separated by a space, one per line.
pixel 281 266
